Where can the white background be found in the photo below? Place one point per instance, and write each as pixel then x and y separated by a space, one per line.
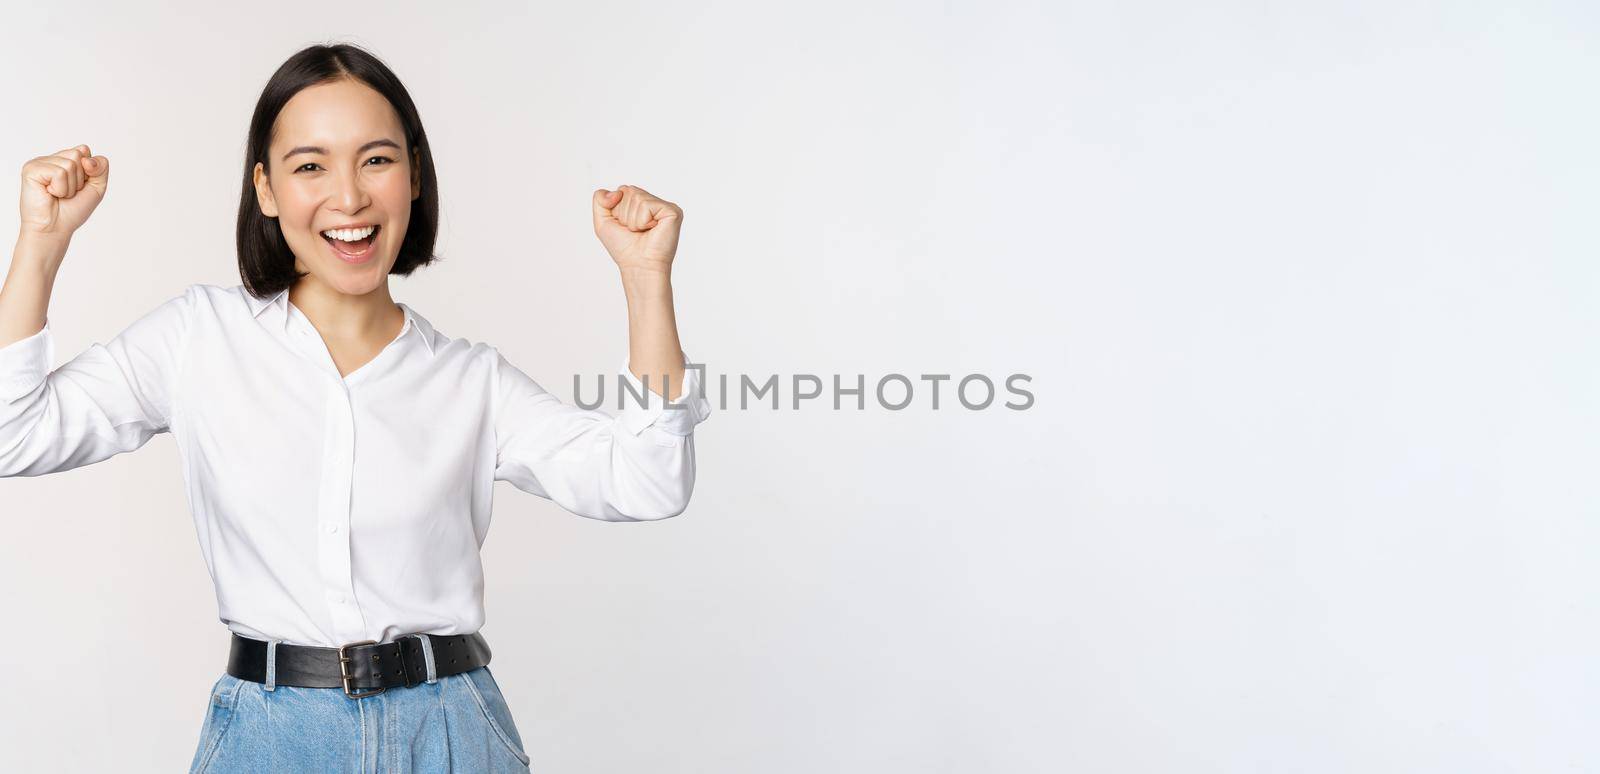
pixel 1307 292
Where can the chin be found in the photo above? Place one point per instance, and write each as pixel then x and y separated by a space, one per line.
pixel 359 283
pixel 351 280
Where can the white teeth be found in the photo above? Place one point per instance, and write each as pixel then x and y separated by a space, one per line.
pixel 350 234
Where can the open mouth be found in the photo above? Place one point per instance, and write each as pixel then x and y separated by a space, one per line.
pixel 356 251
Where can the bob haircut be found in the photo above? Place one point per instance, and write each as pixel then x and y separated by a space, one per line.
pixel 265 261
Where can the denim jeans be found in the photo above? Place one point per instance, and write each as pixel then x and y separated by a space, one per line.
pixel 456 723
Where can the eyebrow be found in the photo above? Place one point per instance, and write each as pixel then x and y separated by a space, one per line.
pixel 324 151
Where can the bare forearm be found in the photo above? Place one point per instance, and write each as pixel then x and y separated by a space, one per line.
pixel 654 353
pixel 25 298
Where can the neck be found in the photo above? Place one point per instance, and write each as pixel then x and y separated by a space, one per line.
pixel 342 315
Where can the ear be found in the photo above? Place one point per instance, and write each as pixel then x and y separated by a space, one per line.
pixel 416 173
pixel 269 205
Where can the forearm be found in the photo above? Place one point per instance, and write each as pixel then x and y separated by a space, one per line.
pixel 654 353
pixel 25 297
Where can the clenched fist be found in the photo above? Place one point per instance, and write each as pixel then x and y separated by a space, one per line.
pixel 60 190
pixel 638 229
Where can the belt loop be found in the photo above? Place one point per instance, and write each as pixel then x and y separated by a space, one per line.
pixel 272 664
pixel 427 655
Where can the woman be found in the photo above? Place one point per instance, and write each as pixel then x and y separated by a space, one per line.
pixel 339 452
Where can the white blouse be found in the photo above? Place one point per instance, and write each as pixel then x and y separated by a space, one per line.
pixel 336 509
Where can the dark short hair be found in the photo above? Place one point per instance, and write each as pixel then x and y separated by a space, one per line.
pixel 265 261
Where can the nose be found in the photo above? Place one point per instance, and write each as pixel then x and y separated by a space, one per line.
pixel 350 196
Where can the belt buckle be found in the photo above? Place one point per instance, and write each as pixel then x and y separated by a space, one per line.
pixel 344 671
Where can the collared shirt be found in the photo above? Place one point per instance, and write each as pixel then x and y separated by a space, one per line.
pixel 332 509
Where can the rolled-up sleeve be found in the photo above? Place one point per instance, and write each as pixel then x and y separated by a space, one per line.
pixel 109 399
pixel 636 466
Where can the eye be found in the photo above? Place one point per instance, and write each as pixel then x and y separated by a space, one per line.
pixel 384 159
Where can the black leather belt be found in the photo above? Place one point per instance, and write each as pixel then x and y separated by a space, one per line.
pixel 363 668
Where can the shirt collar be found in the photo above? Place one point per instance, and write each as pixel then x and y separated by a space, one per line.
pixel 279 304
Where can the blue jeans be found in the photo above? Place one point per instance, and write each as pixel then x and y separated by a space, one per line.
pixel 455 723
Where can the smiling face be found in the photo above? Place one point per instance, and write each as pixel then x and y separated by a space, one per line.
pixel 338 159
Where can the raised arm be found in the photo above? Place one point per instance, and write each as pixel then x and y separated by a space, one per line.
pixel 639 465
pixel 112 397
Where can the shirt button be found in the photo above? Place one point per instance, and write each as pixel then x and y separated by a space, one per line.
pixel 339 599
pixel 332 528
